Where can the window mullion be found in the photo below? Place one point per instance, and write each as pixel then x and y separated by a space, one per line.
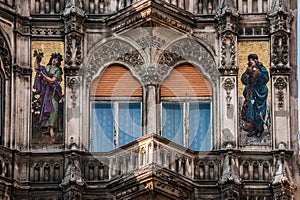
pixel 186 128
pixel 116 125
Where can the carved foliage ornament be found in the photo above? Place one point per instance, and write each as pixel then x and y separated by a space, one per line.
pixel 73 53
pixel 280 54
pixel 74 84
pixel 186 50
pixel 115 50
pixel 228 85
pixel 5 55
pixel 228 52
pixel 280 84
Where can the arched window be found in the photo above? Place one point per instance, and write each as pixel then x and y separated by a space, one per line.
pixel 116 109
pixel 186 108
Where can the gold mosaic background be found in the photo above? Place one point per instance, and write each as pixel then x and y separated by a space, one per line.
pixel 260 48
pixel 48 47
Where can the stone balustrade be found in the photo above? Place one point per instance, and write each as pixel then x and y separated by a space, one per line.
pixel 148 151
pixel 99 7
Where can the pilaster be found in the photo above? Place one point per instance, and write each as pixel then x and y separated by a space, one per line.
pixel 283 184
pixel 230 181
pixel 72 183
pixel 280 20
pixel 74 17
pixel 228 19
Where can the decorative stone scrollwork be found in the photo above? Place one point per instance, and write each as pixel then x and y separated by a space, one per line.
pixel 5 56
pixel 280 54
pixel 228 53
pixel 148 41
pixel 186 50
pixel 73 52
pixel 47 31
pixel 74 84
pixel 228 85
pixel 280 84
pixel 115 50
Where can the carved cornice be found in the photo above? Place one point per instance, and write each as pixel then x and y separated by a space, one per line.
pixel 158 13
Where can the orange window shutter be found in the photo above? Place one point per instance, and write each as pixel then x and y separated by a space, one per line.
pixel 116 81
pixel 185 81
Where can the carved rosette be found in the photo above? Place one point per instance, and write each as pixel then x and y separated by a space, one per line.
pixel 280 85
pixel 186 50
pixel 228 85
pixel 5 56
pixel 74 84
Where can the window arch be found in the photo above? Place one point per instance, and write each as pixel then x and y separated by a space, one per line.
pixel 186 98
pixel 116 109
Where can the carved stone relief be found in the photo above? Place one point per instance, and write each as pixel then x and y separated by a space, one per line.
pixel 187 50
pixel 5 56
pixel 74 48
pixel 228 85
pixel 118 51
pixel 228 51
pixel 280 54
pixel 74 84
pixel 280 85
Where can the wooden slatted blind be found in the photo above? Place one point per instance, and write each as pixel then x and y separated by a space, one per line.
pixel 184 81
pixel 116 81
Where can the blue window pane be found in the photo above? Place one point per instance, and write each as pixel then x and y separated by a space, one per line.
pixel 172 122
pixel 199 122
pixel 102 127
pixel 130 122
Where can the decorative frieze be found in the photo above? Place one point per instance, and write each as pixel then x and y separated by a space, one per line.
pixel 40 31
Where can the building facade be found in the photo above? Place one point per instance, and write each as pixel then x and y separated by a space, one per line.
pixel 153 99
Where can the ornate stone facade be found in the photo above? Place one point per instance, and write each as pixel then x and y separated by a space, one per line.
pixel 150 38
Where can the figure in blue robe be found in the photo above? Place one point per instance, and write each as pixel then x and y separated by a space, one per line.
pixel 255 93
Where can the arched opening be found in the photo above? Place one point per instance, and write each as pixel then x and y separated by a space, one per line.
pixel 116 109
pixel 186 98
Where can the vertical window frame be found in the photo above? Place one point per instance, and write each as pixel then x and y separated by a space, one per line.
pixel 114 101
pixel 186 121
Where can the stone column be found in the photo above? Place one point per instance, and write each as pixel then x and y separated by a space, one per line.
pixel 151 126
